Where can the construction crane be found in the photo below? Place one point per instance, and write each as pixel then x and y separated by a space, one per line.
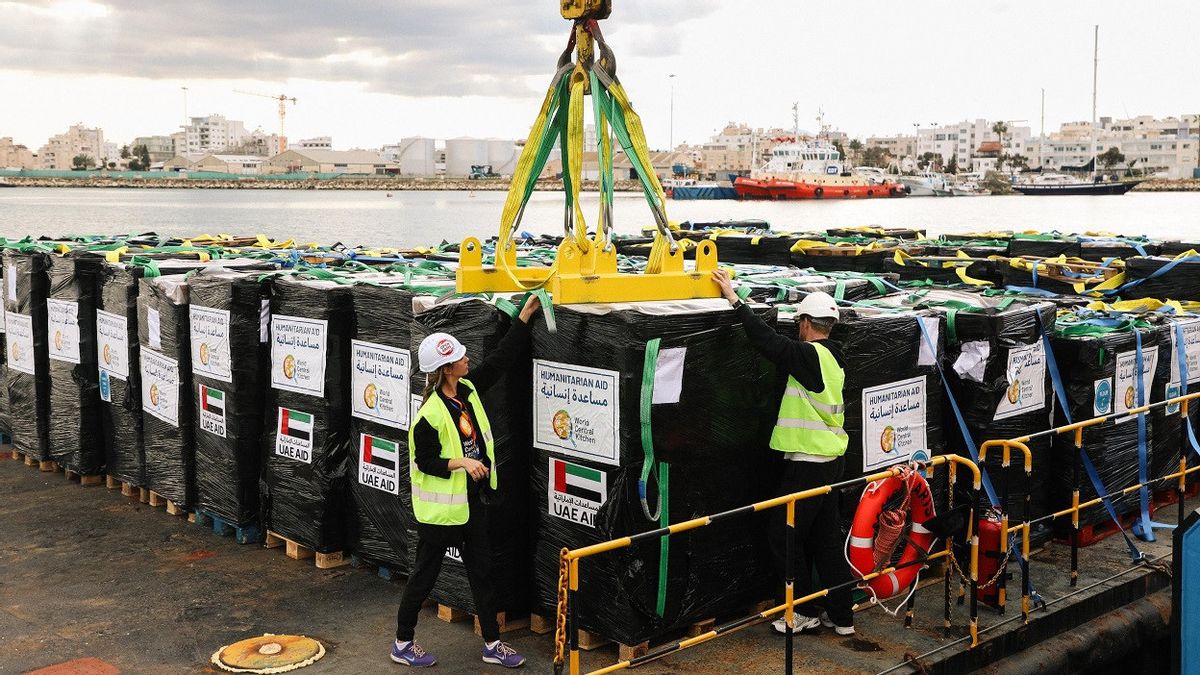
pixel 283 99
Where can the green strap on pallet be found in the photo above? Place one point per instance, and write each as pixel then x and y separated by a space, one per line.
pixel 659 470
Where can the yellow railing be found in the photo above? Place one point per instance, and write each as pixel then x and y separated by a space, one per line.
pixel 567 628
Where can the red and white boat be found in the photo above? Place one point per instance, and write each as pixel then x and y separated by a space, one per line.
pixel 810 170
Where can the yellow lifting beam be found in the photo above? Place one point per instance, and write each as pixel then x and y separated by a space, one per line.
pixel 585 268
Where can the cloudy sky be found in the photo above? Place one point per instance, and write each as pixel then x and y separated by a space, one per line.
pixel 369 72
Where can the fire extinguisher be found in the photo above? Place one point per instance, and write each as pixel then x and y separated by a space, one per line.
pixel 990 559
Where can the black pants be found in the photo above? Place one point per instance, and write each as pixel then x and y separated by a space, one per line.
pixel 819 539
pixel 472 541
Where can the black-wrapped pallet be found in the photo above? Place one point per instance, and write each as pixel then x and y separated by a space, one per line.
pixel 1162 278
pixel 120 375
pixel 714 405
pixel 166 389
pixel 1098 376
pixel 381 525
pixel 307 447
pixel 74 378
pixel 27 282
pixel 5 422
pixel 229 316
pixel 479 325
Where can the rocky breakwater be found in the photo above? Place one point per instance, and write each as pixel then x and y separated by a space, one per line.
pixel 266 183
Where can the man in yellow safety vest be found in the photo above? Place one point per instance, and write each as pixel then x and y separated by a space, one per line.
pixel 809 434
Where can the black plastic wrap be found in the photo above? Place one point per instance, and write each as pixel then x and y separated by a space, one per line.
pixel 480 325
pixel 876 232
pixel 27 283
pixel 381 526
pixel 304 471
pixel 1174 248
pixel 5 422
pixel 1102 249
pixel 1181 282
pixel 1014 276
pixel 1169 434
pixel 713 438
pixel 1113 447
pixel 934 270
pixel 121 405
pixel 769 249
pixel 868 260
pixel 794 285
pixel 166 391
pixel 1043 247
pixel 74 378
pixel 230 357
pixel 997 368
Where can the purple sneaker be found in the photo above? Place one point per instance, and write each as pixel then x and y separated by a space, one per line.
pixel 412 655
pixel 503 655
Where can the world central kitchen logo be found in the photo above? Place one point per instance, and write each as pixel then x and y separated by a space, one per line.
pixel 204 355
pixel 289 367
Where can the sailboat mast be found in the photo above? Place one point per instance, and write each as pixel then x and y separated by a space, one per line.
pixel 1042 134
pixel 1095 69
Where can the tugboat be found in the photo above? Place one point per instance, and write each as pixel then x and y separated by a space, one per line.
pixel 809 170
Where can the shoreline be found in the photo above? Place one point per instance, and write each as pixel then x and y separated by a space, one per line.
pixel 347 183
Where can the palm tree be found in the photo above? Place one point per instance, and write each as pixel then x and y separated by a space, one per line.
pixel 856 147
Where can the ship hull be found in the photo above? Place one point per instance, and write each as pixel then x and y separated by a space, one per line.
pixel 1080 189
pixel 755 188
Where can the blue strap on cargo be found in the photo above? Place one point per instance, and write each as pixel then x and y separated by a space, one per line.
pixel 1181 356
pixel 654 469
pixel 1154 275
pixel 1093 476
pixel 1144 527
pixel 1029 290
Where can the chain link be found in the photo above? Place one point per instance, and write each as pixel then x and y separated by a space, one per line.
pixel 560 615
pixel 995 578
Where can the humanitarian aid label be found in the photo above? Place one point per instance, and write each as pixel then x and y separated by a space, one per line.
pixel 210 343
pixel 112 344
pixel 575 410
pixel 1026 390
pixel 1191 348
pixel 294 435
pixel 298 354
pixel 1102 397
pixel 893 426
pixel 379 463
pixel 160 386
pixel 62 322
pixel 575 492
pixel 20 343
pixel 211 404
pixel 380 384
pixel 1125 389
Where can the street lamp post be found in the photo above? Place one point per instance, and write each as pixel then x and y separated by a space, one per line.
pixel 672 141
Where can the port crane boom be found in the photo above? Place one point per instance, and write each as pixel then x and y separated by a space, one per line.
pixel 283 101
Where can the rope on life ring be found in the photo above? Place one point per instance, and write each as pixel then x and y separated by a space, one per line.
pixel 875 532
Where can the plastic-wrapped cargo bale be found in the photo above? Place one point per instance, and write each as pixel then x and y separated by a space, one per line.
pixel 307 447
pixel 1100 248
pixel 381 525
pixel 713 407
pixel 1161 277
pixel 74 378
pixel 1043 245
pixel 480 324
pixel 793 285
pixel 1061 275
pixel 996 364
pixel 846 257
pixel 1098 366
pixel 765 249
pixel 944 269
pixel 164 356
pixel 27 283
pixel 1175 247
pixel 893 392
pixel 950 245
pixel 229 321
pixel 5 422
pixel 876 232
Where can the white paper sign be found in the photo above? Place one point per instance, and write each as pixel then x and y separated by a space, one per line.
pixel 12 281
pixel 153 328
pixel 112 344
pixel 893 423
pixel 668 375
pixel 380 386
pixel 264 320
pixel 210 342
pixel 20 343
pixel 575 492
pixel 927 356
pixel 1026 382
pixel 575 410
pixel 160 386
pixel 294 435
pixel 1125 391
pixel 1191 347
pixel 298 354
pixel 62 319
pixel 379 463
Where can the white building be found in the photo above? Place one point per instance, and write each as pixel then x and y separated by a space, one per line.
pixel 961 141
pixel 60 151
pixel 160 148
pixel 1168 147
pixel 15 156
pixel 414 156
pixel 317 143
pixel 212 134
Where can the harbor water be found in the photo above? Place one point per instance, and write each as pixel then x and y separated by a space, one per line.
pixel 374 218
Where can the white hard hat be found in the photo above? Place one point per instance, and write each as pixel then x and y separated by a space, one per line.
pixel 818 305
pixel 439 349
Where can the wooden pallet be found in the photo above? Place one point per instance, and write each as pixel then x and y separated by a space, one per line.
pixel 385 572
pixel 298 551
pixel 173 509
pixel 507 624
pixel 541 625
pixel 86 480
pixel 243 534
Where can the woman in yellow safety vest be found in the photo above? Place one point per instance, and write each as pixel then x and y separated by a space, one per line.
pixel 453 470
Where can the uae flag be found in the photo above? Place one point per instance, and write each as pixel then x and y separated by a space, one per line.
pixel 379 452
pixel 295 424
pixel 212 400
pixel 578 481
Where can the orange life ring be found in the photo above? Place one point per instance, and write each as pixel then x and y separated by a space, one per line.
pixel 861 545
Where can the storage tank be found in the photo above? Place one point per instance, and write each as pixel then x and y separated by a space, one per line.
pixel 462 154
pixel 503 155
pixel 416 157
